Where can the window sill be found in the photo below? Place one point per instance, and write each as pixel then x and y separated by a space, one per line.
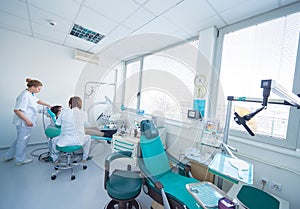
pixel 269 147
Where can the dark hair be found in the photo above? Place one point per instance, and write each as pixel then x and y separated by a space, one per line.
pixel 75 102
pixel 34 83
pixel 55 109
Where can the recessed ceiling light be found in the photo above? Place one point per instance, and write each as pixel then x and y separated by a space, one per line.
pixel 86 34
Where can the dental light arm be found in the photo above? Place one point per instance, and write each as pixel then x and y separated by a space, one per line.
pixel 268 85
pixel 241 120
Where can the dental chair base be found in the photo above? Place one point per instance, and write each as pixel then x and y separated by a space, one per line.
pixel 69 162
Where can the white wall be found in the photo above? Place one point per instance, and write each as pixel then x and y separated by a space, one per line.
pixel 23 57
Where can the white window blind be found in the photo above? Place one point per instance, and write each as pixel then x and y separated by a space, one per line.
pixel 263 51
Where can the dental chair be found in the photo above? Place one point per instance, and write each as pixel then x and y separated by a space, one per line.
pixel 123 186
pixel 158 176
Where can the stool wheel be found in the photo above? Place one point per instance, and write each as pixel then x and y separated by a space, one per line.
pixel 72 177
pixel 133 204
pixel 84 167
pixel 53 177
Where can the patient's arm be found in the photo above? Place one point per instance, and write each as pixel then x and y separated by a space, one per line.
pixel 93 131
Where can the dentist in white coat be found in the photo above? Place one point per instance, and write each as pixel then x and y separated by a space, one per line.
pixel 25 119
pixel 72 121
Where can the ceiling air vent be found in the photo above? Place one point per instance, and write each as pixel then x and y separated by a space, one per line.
pixel 86 34
pixel 86 56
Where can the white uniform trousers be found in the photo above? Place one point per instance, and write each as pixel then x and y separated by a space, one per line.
pixel 18 147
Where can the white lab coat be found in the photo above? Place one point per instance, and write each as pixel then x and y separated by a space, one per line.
pixel 27 103
pixel 72 130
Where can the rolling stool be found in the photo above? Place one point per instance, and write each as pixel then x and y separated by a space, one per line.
pixel 68 152
pixel 123 186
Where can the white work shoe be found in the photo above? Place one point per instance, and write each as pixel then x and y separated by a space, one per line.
pixel 7 159
pixel 26 161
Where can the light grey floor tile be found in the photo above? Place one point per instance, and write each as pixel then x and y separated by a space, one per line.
pixel 30 186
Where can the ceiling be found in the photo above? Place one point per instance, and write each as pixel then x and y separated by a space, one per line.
pixel 115 19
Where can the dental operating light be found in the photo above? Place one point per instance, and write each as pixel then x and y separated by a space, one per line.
pixel 268 85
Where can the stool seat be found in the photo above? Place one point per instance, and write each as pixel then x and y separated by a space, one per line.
pixel 124 185
pixel 69 149
pixel 70 160
pixel 252 197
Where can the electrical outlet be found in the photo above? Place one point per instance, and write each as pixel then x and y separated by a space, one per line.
pixel 276 186
pixel 263 181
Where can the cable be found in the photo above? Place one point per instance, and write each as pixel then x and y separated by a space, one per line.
pixel 44 155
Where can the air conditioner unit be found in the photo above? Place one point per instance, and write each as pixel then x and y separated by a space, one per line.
pixel 86 56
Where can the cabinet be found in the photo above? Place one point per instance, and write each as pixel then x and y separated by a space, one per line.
pixel 130 143
pixel 126 143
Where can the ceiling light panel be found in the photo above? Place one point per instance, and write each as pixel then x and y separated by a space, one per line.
pixel 86 34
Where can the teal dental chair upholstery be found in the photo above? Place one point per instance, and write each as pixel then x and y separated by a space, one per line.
pixel 123 186
pixel 157 172
pixel 52 132
pixel 254 198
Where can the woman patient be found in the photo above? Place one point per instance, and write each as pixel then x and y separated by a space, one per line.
pixel 72 120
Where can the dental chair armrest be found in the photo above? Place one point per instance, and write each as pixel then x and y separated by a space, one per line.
pixel 113 156
pixel 148 175
pixel 183 169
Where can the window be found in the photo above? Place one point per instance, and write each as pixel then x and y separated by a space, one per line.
pixel 166 87
pixel 132 84
pixel 264 51
pixel 167 84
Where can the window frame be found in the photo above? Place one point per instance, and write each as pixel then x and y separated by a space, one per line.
pixel 293 133
pixel 141 59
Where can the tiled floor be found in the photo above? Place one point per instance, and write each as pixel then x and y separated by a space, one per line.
pixel 30 187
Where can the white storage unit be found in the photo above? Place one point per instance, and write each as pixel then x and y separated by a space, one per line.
pixel 130 143
pixel 126 143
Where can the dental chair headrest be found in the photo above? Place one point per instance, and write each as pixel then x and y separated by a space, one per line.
pixel 51 114
pixel 148 129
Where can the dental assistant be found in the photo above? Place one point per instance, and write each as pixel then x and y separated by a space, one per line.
pixel 25 119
